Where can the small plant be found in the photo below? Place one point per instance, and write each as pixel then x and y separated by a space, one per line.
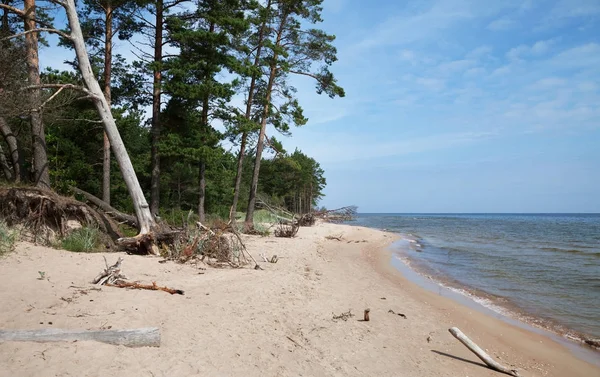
pixel 261 229
pixel 42 275
pixel 84 239
pixel 8 238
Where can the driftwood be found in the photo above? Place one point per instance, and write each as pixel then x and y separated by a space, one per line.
pixel 114 213
pixel 151 287
pixel 343 316
pixel 493 364
pixel 112 277
pixel 143 337
pixel 338 214
pixel 398 314
pixel 287 230
pixel 110 274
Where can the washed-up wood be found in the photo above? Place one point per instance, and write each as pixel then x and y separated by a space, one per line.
pixel 110 274
pixel 151 287
pixel 143 337
pixel 481 353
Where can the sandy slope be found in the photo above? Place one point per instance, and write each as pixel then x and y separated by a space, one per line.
pixel 276 322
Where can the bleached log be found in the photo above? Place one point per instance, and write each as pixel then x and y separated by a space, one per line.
pixel 143 337
pixel 481 353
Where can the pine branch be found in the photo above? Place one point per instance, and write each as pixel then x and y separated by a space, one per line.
pixel 17 11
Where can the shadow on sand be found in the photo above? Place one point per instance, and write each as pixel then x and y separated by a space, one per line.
pixel 460 358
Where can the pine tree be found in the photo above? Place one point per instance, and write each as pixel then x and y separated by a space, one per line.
pixel 205 39
pixel 291 49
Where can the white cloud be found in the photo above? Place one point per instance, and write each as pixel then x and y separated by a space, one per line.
pixel 523 51
pixel 479 52
pixel 502 24
pixel 412 25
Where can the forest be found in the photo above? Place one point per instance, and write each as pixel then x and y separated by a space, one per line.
pixel 186 125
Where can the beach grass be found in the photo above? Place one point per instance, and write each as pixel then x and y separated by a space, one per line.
pixel 8 238
pixel 84 239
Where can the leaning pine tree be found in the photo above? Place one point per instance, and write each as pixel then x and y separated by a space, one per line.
pixel 291 49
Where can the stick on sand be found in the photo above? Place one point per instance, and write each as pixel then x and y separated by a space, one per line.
pixel 480 353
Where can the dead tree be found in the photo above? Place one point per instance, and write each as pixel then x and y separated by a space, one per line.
pixel 145 220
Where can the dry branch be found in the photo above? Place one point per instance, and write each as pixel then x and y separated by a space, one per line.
pixel 118 215
pixel 481 354
pixel 144 337
pixel 110 274
pixel 343 316
pixel 151 287
pixel 338 214
pixel 287 230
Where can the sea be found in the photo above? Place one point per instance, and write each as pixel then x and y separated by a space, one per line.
pixel 542 269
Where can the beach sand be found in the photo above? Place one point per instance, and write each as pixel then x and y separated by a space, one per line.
pixel 245 322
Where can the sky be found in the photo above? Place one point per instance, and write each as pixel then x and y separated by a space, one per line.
pixel 456 106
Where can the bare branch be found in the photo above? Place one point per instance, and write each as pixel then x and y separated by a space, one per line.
pixel 17 11
pixel 38 30
pixel 61 86
pixel 306 74
pixel 49 99
pixel 78 120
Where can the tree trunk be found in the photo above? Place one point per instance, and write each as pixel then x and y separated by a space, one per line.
pixel 202 166
pixel 108 13
pixel 40 158
pixel 202 192
pixel 249 222
pixel 13 149
pixel 241 154
pixel 145 220
pixel 4 29
pixel 5 168
pixel 156 91
pixel 238 174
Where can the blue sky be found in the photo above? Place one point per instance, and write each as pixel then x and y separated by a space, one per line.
pixel 457 106
pixel 460 106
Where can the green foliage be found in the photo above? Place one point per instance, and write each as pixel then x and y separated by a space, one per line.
pixel 294 182
pixel 221 46
pixel 8 238
pixel 85 239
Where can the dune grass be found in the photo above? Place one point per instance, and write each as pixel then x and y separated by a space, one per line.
pixel 8 238
pixel 84 239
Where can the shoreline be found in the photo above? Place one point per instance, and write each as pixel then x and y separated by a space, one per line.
pixel 279 321
pixel 419 273
pixel 472 298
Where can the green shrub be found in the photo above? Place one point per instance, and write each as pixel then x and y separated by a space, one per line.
pixel 84 239
pixel 8 238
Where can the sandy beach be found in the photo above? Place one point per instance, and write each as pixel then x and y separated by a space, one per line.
pixel 246 322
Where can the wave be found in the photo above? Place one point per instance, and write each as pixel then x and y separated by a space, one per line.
pixel 570 251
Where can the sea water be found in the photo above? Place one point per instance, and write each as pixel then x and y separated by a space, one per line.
pixel 541 268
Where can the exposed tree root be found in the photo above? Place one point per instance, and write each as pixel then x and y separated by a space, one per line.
pixel 44 215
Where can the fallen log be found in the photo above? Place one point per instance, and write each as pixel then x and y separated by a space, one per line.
pixel 493 364
pixel 115 213
pixel 143 337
